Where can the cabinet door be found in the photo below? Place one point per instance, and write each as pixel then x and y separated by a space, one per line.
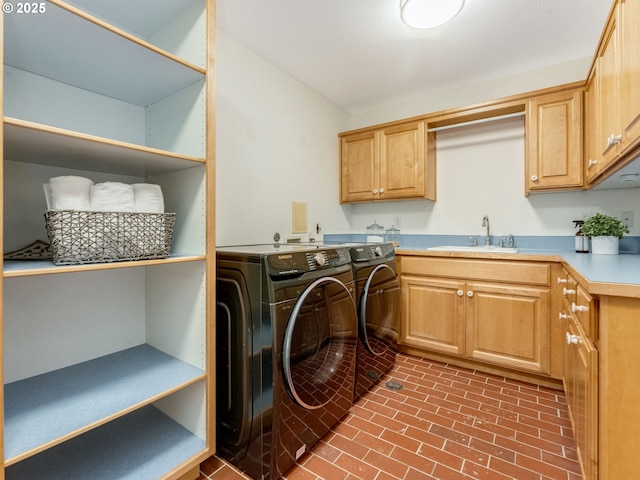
pixel 402 161
pixel 610 118
pixel 581 383
pixel 359 179
pixel 508 325
pixel 630 77
pixel 554 141
pixel 433 314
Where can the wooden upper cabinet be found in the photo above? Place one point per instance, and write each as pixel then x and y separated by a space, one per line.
pixel 359 172
pixel 388 163
pixel 630 71
pixel 608 91
pixel 554 141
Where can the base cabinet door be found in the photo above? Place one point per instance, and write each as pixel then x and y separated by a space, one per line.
pixel 508 325
pixel 581 386
pixel 433 314
pixel 499 324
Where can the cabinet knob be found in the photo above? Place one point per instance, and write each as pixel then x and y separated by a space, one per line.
pixel 568 291
pixel 534 178
pixel 563 316
pixel 579 308
pixel 562 280
pixel 460 293
pixel 572 339
pixel 382 190
pixel 470 293
pixel 613 139
pixel 592 163
pixel 375 191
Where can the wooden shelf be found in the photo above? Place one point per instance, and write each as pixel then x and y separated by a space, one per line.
pixel 160 445
pixel 51 408
pixel 46 145
pixel 84 51
pixel 26 268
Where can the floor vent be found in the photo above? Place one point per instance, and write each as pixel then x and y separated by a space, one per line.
pixel 393 385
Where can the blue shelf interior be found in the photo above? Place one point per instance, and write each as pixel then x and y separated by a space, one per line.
pixel 145 444
pixel 41 409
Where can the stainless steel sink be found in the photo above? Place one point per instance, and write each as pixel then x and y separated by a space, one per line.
pixel 476 249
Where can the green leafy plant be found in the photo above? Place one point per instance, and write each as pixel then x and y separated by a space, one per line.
pixel 600 225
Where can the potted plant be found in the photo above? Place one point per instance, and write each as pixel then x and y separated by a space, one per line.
pixel 605 232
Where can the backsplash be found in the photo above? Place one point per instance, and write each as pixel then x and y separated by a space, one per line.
pixel 628 244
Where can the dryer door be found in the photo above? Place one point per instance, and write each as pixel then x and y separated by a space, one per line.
pixel 380 310
pixel 319 344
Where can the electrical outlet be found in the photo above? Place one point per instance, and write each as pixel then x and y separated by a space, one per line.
pixel 396 222
pixel 627 218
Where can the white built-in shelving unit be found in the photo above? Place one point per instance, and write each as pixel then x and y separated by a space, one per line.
pixel 108 368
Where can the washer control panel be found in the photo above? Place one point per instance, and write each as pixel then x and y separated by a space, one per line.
pixel 294 262
pixel 365 253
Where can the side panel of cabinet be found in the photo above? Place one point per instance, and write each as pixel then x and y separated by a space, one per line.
pixel 592 154
pixel 432 314
pixel 358 167
pixel 619 389
pixel 554 141
pixel 508 326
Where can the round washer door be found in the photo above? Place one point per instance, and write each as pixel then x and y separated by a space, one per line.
pixel 379 310
pixel 318 354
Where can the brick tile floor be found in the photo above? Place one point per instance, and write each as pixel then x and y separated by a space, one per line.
pixel 446 423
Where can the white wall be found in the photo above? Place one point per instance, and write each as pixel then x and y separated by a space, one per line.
pixel 277 143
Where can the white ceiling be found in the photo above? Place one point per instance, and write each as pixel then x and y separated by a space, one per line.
pixel 358 54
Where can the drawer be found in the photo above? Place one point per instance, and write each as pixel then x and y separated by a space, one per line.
pixel 523 273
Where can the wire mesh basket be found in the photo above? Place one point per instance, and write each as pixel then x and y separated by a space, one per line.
pixel 80 237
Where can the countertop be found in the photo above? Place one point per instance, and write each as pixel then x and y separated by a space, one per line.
pixel 600 274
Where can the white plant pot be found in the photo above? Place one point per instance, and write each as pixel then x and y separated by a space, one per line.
pixel 605 245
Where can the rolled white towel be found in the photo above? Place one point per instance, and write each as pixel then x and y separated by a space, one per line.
pixel 68 192
pixel 148 198
pixel 112 197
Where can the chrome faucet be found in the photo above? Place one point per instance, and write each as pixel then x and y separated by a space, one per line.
pixel 485 223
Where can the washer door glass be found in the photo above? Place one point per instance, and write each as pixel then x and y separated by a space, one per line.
pixel 319 345
pixel 379 310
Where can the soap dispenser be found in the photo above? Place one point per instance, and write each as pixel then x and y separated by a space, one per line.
pixel 582 241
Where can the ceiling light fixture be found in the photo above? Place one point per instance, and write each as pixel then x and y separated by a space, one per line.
pixel 428 13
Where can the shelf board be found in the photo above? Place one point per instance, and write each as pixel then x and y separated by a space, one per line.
pixel 48 409
pixel 107 60
pixel 26 268
pixel 143 444
pixel 142 18
pixel 46 145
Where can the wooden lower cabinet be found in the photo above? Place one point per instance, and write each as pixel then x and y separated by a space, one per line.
pixel 433 314
pixel 581 388
pixel 495 323
pixel 508 325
